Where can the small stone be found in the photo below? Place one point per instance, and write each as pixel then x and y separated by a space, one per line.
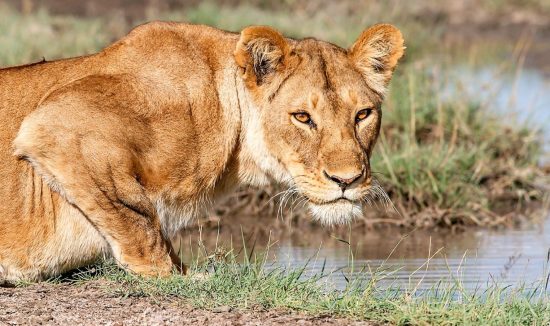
pixel 222 309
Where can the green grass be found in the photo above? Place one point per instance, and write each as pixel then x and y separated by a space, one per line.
pixel 453 161
pixel 444 162
pixel 249 285
pixel 29 38
pixel 25 38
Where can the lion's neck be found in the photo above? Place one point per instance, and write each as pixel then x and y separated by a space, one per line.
pixel 251 162
pixel 241 156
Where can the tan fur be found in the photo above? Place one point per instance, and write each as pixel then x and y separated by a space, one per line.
pixel 113 153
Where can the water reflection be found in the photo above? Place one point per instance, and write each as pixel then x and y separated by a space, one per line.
pixel 523 94
pixel 476 258
pixel 417 258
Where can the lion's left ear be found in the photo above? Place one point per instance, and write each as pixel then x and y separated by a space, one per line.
pixel 261 51
pixel 375 54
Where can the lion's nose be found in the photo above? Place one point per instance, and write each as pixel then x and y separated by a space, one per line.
pixel 344 181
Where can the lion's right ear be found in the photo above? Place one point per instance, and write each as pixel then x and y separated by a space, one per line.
pixel 375 54
pixel 261 50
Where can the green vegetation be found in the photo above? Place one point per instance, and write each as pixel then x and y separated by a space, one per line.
pixel 453 161
pixel 249 285
pixel 444 161
pixel 29 38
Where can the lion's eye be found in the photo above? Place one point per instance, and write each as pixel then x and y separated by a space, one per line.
pixel 302 117
pixel 363 114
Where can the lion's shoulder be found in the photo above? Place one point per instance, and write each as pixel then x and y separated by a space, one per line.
pixel 149 34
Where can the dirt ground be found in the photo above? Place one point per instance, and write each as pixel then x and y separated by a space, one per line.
pixel 92 304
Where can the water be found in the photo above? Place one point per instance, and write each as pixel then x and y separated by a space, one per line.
pixel 420 259
pixel 417 259
pixel 522 95
pixel 525 93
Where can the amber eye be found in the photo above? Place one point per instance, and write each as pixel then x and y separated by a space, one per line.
pixel 363 114
pixel 302 117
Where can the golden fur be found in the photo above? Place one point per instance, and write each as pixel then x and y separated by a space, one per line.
pixel 113 153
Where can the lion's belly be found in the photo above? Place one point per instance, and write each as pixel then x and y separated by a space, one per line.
pixel 43 235
pixel 74 243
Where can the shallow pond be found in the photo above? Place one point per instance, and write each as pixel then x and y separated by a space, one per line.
pixel 422 259
pixel 403 259
pixel 522 95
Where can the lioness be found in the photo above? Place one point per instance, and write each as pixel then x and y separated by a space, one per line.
pixel 113 153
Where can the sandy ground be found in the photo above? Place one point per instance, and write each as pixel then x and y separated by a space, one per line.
pixel 92 304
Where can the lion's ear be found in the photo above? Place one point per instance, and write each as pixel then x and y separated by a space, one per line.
pixel 261 50
pixel 375 54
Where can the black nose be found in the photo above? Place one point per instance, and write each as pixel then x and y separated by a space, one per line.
pixel 343 183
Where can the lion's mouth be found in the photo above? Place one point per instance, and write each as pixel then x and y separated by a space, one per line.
pixel 338 200
pixel 338 211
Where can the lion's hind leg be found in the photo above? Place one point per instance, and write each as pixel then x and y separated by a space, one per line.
pixel 92 159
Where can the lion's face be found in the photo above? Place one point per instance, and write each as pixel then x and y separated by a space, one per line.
pixel 322 126
pixel 319 111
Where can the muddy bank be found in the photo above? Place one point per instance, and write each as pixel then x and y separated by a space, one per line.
pixel 92 304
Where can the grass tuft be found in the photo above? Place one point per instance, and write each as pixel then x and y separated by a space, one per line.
pixel 250 285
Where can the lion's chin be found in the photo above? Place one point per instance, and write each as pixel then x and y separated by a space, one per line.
pixel 340 212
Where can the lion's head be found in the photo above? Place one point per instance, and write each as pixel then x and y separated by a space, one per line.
pixel 318 112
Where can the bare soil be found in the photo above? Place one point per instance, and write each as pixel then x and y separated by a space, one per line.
pixel 92 303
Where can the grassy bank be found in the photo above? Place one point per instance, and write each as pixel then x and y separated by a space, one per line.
pixel 443 161
pixel 250 286
pixel 454 161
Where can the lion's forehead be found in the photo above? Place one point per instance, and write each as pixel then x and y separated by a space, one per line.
pixel 326 78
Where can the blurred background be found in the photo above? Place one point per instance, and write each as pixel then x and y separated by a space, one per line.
pixel 463 150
